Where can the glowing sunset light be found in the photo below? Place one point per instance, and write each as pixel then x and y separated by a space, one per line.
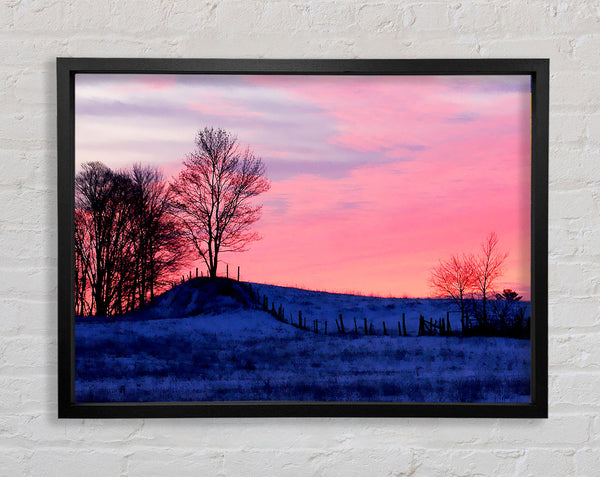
pixel 373 179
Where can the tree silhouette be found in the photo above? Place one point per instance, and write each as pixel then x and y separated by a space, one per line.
pixel 212 195
pixel 126 238
pixel 508 295
pixel 506 303
pixel 472 276
pixel 102 239
pixel 454 278
pixel 487 267
pixel 158 246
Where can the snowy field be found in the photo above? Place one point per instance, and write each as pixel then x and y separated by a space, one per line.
pixel 235 353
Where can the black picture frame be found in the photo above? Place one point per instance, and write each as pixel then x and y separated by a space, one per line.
pixel 67 68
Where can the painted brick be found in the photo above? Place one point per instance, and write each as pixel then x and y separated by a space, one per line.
pixel 564 93
pixel 467 462
pixel 38 16
pixel 34 33
pixel 471 17
pixel 182 463
pixel 432 16
pixel 573 313
pixel 577 388
pixel 575 351
pixel 568 430
pixel 21 395
pixel 574 167
pixel 15 462
pixel 574 203
pixel 569 127
pixel 587 461
pixel 547 462
pixel 593 128
pixel 65 463
pixel 380 17
pixel 27 354
pixel 22 316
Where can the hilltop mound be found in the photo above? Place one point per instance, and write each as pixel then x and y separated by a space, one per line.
pixel 198 296
pixel 195 297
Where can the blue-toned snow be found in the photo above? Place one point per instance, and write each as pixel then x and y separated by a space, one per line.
pixel 228 351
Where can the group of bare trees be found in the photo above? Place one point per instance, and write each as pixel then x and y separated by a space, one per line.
pixel 134 230
pixel 126 238
pixel 469 279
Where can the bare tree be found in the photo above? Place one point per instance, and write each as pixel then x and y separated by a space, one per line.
pixel 487 267
pixel 159 247
pixel 454 278
pixel 213 195
pixel 83 265
pixel 103 245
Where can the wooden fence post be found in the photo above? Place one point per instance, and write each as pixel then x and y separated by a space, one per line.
pixel 399 330
pixel 355 326
pixel 366 329
pixel 342 324
pixel 325 327
pixel 238 273
pixel 404 324
pixel 300 319
pixel 196 272
pixel 227 270
pixel 384 330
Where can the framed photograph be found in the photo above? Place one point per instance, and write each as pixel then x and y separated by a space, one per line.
pixel 328 238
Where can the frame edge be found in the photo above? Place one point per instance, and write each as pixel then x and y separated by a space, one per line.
pixel 66 68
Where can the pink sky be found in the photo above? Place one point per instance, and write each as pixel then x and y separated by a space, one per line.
pixel 373 179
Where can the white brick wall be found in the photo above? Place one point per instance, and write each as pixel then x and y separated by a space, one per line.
pixel 34 442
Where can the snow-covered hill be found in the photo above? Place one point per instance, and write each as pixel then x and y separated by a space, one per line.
pixel 206 341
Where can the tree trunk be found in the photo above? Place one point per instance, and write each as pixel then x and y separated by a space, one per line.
pixel 484 311
pixel 213 271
